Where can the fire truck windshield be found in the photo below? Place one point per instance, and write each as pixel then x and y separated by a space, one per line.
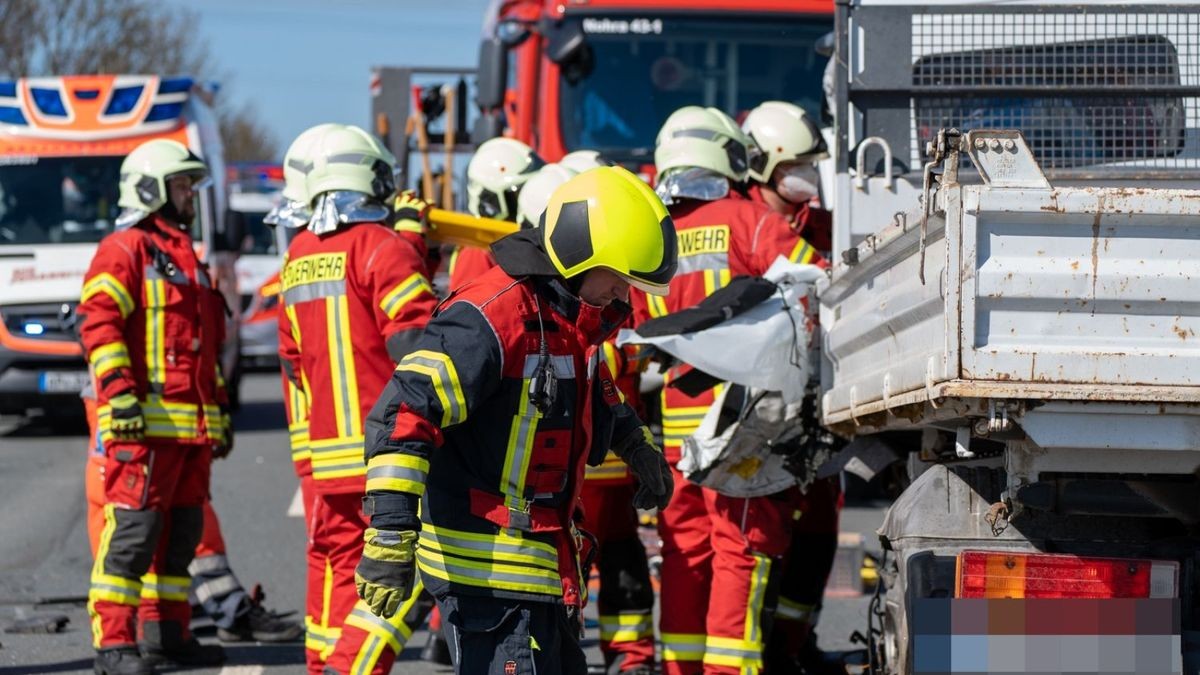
pixel 636 70
pixel 57 200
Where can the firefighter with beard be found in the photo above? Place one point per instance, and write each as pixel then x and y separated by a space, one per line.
pixel 151 324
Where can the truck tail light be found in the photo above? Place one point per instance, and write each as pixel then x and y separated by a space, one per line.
pixel 998 574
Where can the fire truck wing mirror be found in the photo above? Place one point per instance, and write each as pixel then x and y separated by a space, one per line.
pixel 824 45
pixel 487 126
pixel 493 73
pixel 565 42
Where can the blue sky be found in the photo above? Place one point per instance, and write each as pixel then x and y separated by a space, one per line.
pixel 303 62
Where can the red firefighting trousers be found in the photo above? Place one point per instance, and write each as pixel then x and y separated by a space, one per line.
pixel 720 570
pixel 153 520
pixel 807 565
pixel 342 633
pixel 626 597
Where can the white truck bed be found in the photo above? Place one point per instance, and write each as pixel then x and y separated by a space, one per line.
pixel 1030 292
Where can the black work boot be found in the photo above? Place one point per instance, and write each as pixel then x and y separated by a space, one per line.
pixel 163 643
pixel 261 625
pixel 121 661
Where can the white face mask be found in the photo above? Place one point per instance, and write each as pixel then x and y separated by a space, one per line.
pixel 797 184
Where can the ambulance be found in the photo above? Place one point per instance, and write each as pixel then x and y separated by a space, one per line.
pixel 62 140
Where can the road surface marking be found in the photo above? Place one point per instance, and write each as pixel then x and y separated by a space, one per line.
pixel 241 670
pixel 296 510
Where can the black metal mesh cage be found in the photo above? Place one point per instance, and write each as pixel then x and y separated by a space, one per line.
pixel 1087 88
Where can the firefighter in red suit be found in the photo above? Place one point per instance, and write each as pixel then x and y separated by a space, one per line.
pixel 477 447
pixel 719 554
pixel 151 324
pixel 786 146
pixel 496 173
pixel 355 297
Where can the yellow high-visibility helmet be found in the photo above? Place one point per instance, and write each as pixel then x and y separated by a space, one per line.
pixel 607 217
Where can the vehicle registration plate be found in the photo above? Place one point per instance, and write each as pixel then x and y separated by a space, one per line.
pixel 62 381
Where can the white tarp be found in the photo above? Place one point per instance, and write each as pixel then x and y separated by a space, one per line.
pixel 764 348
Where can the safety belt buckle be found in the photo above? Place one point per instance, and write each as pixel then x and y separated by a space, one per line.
pixel 518 514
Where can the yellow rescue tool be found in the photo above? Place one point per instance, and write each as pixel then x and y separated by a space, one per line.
pixel 461 229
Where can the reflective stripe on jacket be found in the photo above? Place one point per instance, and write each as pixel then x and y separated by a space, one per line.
pixel 497 477
pixel 152 324
pixel 351 298
pixel 718 240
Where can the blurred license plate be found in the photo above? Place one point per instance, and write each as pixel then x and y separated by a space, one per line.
pixel 62 381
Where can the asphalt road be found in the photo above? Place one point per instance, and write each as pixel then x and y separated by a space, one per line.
pixel 44 557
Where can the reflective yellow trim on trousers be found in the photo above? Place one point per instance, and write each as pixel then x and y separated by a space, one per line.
pixel 733 653
pixel 342 372
pixel 403 293
pixel 622 628
pixel 612 468
pixel 489 574
pixel 108 587
pixel 397 472
pixel 167 588
pixel 316 637
pixel 109 285
pixel 156 339
pixel 745 652
pixel 109 357
pixel 683 646
pixel 443 376
pixel 790 610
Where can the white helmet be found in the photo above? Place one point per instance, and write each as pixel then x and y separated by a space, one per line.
pixel 702 138
pixel 582 160
pixel 534 197
pixel 294 210
pixel 347 158
pixel 495 175
pixel 781 132
pixel 145 170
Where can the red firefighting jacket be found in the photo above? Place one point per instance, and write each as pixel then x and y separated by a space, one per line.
pixel 626 371
pixel 497 477
pixel 295 406
pixel 718 240
pixel 354 301
pixel 468 263
pixel 812 223
pixel 152 324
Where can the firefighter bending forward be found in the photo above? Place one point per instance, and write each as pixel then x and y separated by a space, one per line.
pixel 151 324
pixel 355 296
pixel 488 423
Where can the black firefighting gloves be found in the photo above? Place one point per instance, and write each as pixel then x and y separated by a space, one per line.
pixel 411 212
pixel 645 459
pixel 387 571
pixel 222 449
pixel 127 422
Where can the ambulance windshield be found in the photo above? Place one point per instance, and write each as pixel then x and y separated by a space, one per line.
pixel 57 200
